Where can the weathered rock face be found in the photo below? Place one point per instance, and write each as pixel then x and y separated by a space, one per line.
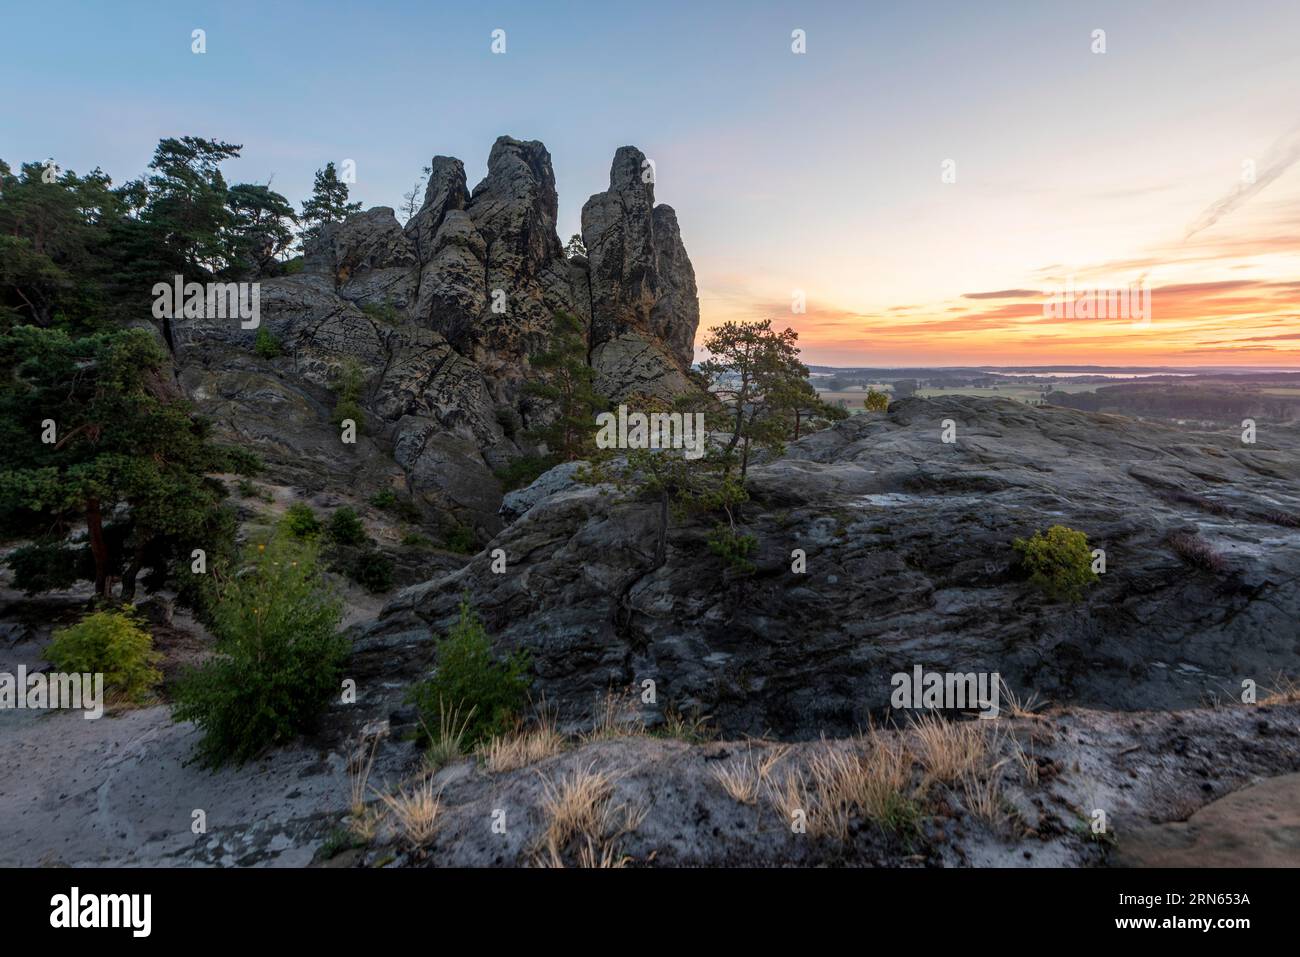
pixel 440 317
pixel 909 562
pixel 641 283
pixel 368 257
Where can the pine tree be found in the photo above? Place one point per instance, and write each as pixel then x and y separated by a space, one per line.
pixel 567 385
pixel 757 372
pixel 95 432
pixel 260 230
pixel 328 202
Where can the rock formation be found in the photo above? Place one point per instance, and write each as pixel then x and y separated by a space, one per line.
pixel 440 318
pixel 909 562
pixel 643 306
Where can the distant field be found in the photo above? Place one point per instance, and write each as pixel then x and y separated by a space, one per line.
pixel 854 397
pixel 1020 393
pixel 1281 391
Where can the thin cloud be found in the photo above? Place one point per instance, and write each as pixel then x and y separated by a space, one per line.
pixel 1003 294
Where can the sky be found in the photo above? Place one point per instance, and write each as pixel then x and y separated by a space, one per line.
pixel 924 176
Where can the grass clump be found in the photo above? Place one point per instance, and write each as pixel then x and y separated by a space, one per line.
pixel 1059 562
pixel 111 643
pixel 523 746
pixel 1198 553
pixel 448 744
pixel 279 656
pixel 415 813
pixel 488 692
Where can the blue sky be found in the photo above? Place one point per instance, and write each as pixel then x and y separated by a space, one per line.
pixel 819 172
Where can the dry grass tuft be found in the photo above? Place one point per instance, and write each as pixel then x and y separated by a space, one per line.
pixel 615 717
pixel 693 728
pixel 523 747
pixel 1019 707
pixel 362 822
pixel 448 745
pixel 743 780
pixel 1028 764
pixel 983 797
pixel 874 783
pixel 580 813
pixel 415 813
pixel 790 796
pixel 1284 691
pixel 949 750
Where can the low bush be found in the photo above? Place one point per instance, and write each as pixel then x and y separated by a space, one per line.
pixel 461 539
pixel 279 656
pixel 372 570
pixel 111 643
pixel 732 547
pixel 876 401
pixel 265 344
pixel 1059 561
pixel 486 692
pixel 300 521
pixel 345 527
pixel 50 566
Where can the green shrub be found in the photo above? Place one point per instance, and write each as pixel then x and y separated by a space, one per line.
pixel 265 344
pixel 732 547
pixel 876 401
pixel 350 409
pixel 345 527
pixel 488 694
pixel 460 538
pixel 372 570
pixel 385 312
pixel 348 386
pixel 300 521
pixel 279 656
pixel 111 643
pixel 525 470
pixel 417 541
pixel 1058 561
pixel 403 508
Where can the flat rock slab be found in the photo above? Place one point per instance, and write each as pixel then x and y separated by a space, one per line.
pixel 1258 826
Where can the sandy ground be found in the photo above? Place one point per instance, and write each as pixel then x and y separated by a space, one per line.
pixel 119 790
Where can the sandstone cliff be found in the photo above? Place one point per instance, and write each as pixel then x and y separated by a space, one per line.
pixel 439 318
pixel 909 561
